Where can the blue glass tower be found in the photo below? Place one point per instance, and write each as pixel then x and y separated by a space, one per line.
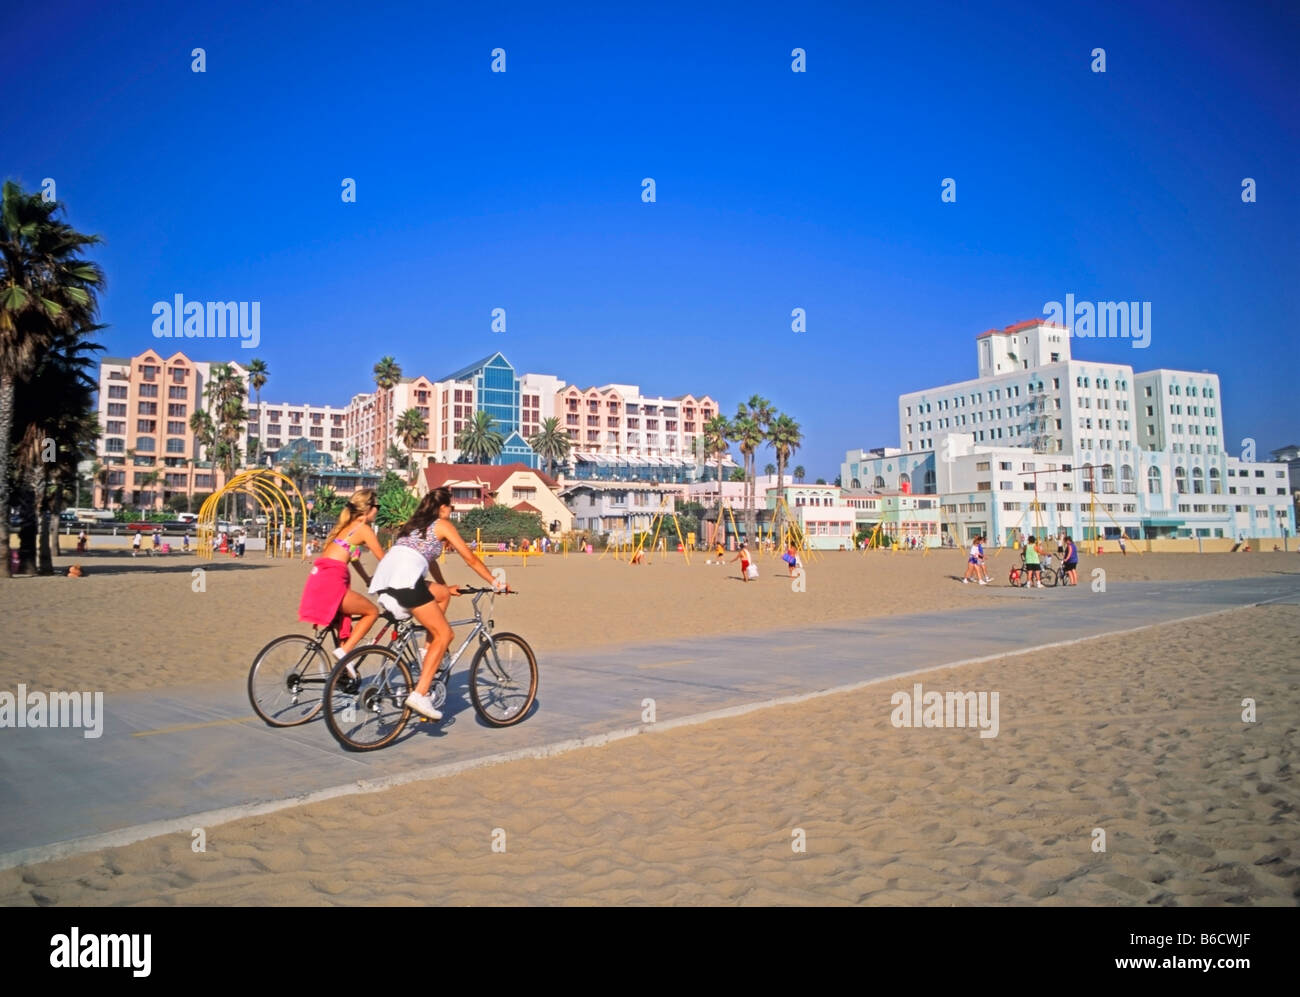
pixel 496 392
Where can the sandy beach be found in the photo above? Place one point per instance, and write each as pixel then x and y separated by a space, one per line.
pixel 1141 737
pixel 150 622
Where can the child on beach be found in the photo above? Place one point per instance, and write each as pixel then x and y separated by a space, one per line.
pixel 401 587
pixel 326 593
pixel 135 545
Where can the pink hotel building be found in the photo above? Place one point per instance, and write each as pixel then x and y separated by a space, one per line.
pixel 145 403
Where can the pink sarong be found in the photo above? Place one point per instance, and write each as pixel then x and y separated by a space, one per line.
pixel 323 594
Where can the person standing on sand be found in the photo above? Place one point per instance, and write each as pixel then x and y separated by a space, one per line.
pixel 327 592
pixel 1034 563
pixel 135 544
pixel 1123 548
pixel 742 556
pixel 1071 563
pixel 81 541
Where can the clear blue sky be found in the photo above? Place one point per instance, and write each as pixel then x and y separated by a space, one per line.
pixel 776 190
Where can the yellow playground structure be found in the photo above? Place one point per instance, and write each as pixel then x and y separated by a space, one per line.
pixel 282 504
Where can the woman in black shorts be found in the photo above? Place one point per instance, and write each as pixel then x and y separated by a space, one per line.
pixel 401 587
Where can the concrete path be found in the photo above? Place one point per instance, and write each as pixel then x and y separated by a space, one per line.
pixel 170 761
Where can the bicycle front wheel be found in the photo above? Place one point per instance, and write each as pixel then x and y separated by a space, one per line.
pixel 286 683
pixel 369 711
pixel 1050 578
pixel 503 680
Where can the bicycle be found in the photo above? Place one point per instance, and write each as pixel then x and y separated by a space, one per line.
pixel 1019 575
pixel 286 682
pixel 369 711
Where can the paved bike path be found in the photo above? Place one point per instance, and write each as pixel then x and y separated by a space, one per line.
pixel 165 755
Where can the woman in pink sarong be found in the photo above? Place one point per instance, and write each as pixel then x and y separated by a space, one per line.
pixel 327 593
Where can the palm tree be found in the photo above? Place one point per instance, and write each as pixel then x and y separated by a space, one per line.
pixel 226 394
pixel 258 373
pixel 388 372
pixel 55 414
pixel 394 457
pixel 749 432
pixel 551 443
pixel 717 432
pixel 478 442
pixel 799 473
pixel 785 437
pixel 411 429
pixel 149 480
pixel 769 469
pixel 45 287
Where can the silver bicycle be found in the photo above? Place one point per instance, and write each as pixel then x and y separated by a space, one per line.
pixel 367 710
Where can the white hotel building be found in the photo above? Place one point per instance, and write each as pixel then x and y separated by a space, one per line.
pixel 1150 443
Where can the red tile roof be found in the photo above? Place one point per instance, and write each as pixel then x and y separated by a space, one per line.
pixel 491 475
pixel 1011 330
pixel 526 507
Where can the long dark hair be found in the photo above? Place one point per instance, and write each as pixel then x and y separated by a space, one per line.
pixel 426 512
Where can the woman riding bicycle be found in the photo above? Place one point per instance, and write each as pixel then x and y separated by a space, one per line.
pixel 327 594
pixel 400 585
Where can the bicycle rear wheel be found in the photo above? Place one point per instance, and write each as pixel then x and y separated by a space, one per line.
pixel 503 680
pixel 286 683
pixel 369 711
pixel 1050 578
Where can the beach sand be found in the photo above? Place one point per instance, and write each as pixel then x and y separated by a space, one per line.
pixel 139 623
pixel 1140 736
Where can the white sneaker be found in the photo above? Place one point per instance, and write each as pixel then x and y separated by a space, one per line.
pixel 983 582
pixel 422 705
pixel 965 581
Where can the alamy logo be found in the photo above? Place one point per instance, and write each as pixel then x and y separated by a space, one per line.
pixel 1103 319
pixel 91 951
pixel 179 318
pixel 57 709
pixel 937 709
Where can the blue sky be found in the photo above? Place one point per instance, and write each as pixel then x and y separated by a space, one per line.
pixel 775 190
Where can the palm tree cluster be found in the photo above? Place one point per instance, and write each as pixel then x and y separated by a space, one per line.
pixel 49 300
pixel 226 394
pixel 756 423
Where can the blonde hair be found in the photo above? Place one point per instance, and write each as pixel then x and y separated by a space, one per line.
pixel 361 502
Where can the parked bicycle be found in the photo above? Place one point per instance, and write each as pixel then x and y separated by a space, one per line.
pixel 1019 575
pixel 286 683
pixel 367 709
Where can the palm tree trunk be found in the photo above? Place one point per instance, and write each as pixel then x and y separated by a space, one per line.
pixel 45 562
pixel 6 429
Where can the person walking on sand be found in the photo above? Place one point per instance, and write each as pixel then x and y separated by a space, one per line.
pixel 81 541
pixel 400 585
pixel 1123 547
pixel 327 593
pixel 975 563
pixel 185 543
pixel 135 545
pixel 742 555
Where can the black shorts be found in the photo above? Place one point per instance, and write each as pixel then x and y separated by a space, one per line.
pixel 413 598
pixel 1070 565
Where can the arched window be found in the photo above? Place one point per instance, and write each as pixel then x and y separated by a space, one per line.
pixel 855 483
pixel 878 484
pixel 1126 483
pixel 904 482
pixel 1180 480
pixel 1153 481
pixel 1198 481
pixel 930 482
pixel 1216 485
